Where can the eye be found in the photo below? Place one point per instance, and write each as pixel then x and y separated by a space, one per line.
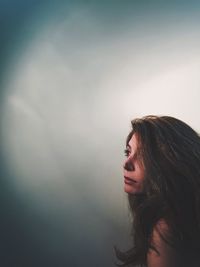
pixel 127 152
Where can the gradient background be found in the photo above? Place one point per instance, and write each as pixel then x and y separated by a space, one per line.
pixel 73 75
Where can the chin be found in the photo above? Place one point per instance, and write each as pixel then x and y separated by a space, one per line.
pixel 131 189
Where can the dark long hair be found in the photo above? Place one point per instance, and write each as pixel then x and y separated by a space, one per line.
pixel 170 151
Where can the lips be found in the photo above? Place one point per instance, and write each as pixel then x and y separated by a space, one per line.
pixel 128 180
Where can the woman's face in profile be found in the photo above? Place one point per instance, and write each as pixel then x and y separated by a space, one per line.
pixel 133 168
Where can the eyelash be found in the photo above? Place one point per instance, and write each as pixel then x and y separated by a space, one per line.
pixel 126 152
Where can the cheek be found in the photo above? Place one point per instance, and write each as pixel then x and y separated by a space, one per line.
pixel 141 177
pixel 140 171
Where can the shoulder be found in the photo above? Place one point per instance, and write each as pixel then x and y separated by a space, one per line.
pixel 159 250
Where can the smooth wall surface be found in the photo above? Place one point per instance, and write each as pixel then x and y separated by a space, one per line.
pixel 73 75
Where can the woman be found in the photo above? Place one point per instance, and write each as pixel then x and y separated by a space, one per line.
pixel 162 179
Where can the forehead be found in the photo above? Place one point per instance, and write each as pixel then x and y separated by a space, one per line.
pixel 133 142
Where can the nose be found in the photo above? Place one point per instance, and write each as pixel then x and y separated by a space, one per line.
pixel 128 165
